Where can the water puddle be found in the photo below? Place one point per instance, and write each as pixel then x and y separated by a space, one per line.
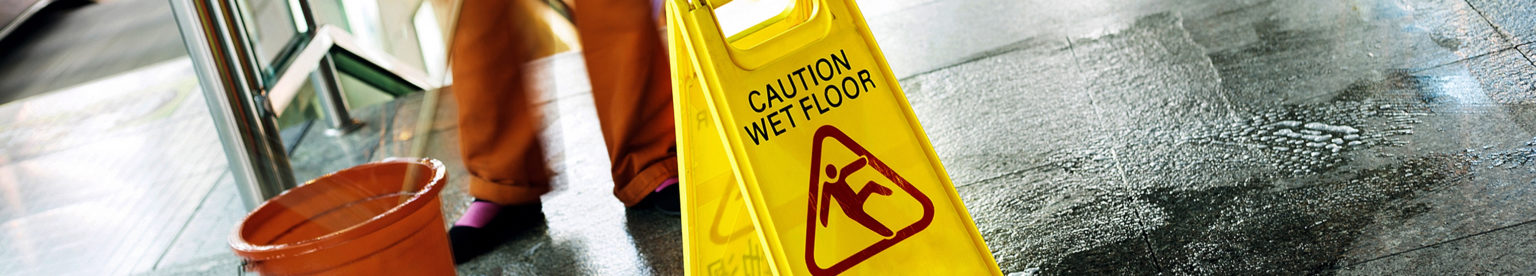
pixel 1511 159
pixel 1258 227
pixel 1310 138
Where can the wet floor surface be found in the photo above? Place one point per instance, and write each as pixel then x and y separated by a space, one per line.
pixel 73 42
pixel 106 177
pixel 1141 137
pixel 1265 137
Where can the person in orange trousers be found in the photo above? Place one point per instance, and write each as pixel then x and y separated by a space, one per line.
pixel 498 125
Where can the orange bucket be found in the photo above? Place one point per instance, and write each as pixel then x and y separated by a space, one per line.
pixel 355 221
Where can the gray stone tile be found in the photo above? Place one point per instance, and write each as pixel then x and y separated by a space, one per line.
pixel 210 226
pixel 1229 197
pixel 1529 49
pixel 1152 98
pixel 59 50
pixel 1479 110
pixel 1061 219
pixel 1229 201
pixel 98 110
pixel 106 175
pixel 223 263
pixel 903 28
pixel 111 229
pixel 1502 252
pixel 1150 75
pixel 1482 101
pixel 1383 115
pixel 900 31
pixel 1468 205
pixel 1269 210
pixel 1511 17
pixel 1290 52
pixel 1004 113
pixel 1261 227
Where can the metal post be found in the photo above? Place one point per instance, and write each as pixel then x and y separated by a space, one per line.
pixel 332 102
pixel 217 43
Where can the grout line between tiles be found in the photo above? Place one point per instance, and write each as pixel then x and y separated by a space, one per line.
pixel 1498 31
pixel 1115 156
pixel 183 229
pixel 1473 235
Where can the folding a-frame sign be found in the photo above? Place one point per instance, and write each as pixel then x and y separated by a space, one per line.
pixel 800 155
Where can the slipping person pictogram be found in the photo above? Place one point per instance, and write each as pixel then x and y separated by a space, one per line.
pixel 851 203
pixel 835 187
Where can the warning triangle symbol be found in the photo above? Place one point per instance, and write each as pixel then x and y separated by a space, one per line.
pixel 829 186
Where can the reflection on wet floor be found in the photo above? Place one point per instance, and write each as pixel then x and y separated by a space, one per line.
pixel 1240 138
pixel 105 177
pixel 1140 137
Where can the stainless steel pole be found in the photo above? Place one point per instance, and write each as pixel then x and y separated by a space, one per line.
pixel 217 43
pixel 332 102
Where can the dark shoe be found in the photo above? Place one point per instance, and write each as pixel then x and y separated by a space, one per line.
pixel 665 200
pixel 471 242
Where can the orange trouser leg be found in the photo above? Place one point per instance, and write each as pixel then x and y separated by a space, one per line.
pixel 498 126
pixel 632 88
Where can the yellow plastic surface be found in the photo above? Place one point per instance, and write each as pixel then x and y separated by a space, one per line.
pixel 800 155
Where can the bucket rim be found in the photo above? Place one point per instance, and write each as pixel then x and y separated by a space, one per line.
pixel 249 251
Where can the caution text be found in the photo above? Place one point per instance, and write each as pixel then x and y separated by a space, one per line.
pixel 789 101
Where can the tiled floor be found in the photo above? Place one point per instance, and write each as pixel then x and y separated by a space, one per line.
pixel 71 44
pixel 92 183
pixel 1139 137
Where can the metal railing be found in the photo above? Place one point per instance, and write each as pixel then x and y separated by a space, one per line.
pixel 316 61
pixel 245 106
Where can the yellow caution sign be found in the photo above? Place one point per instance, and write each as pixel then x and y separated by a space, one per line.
pixel 800 155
